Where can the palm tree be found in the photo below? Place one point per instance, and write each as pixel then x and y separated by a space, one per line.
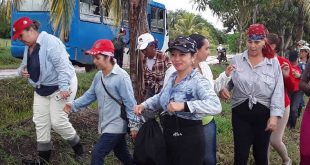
pixel 62 13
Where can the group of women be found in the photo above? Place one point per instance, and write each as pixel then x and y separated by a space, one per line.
pixel 189 98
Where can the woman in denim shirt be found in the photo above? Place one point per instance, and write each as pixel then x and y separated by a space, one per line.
pixel 185 99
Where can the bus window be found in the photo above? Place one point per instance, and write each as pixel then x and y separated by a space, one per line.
pixel 157 20
pixel 90 11
pixel 33 5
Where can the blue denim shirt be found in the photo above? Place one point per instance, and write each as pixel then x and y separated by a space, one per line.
pixel 194 89
pixel 118 84
pixel 55 66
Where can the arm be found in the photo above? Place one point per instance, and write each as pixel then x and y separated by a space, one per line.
pixel 303 85
pixel 208 102
pixel 60 60
pixel 87 98
pixel 277 98
pixel 24 62
pixel 221 82
pixel 289 82
pixel 126 92
pixel 152 103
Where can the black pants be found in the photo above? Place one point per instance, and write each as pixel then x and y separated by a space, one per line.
pixel 249 129
pixel 119 54
pixel 296 100
pixel 184 140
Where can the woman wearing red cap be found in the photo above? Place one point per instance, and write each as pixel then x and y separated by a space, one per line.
pixel 111 87
pixel 289 86
pixel 257 98
pixel 48 69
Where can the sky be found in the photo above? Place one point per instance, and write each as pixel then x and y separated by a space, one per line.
pixel 188 6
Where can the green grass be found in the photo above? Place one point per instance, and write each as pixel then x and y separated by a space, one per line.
pixel 7 61
pixel 17 132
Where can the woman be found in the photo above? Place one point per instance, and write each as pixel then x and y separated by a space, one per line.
pixel 289 86
pixel 304 55
pixel 111 87
pixel 257 98
pixel 185 99
pixel 305 124
pixel 209 125
pixel 48 69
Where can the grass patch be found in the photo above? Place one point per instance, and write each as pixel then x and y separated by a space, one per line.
pixel 17 132
pixel 7 61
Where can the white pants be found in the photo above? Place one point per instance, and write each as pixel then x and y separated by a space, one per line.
pixel 48 113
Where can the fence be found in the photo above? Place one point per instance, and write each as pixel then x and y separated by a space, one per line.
pixel 5 42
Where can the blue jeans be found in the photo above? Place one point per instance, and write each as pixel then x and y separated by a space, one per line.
pixel 106 144
pixel 210 140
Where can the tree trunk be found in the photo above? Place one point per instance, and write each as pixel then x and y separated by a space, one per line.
pixel 282 41
pixel 254 18
pixel 138 25
pixel 240 41
pixel 289 38
pixel 300 24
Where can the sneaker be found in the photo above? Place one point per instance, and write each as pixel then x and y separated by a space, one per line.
pixel 289 162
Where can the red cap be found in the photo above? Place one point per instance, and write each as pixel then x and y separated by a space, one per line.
pixel 19 25
pixel 104 47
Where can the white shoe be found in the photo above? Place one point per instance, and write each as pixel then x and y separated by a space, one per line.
pixel 289 162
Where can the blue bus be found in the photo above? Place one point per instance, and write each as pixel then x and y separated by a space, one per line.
pixel 90 22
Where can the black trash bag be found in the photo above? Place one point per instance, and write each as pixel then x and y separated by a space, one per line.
pixel 150 147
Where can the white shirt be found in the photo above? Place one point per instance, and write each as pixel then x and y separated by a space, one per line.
pixel 150 63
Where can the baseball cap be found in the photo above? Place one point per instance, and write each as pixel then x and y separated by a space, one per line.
pixel 184 44
pixel 103 46
pixel 306 48
pixel 144 40
pixel 19 25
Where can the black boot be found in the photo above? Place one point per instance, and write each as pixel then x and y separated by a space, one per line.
pixel 79 152
pixel 44 158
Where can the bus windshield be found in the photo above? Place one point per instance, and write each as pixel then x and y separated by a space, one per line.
pixel 33 5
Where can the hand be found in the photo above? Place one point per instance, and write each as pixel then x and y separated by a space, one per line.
pixel 25 73
pixel 272 124
pixel 285 69
pixel 133 134
pixel 174 106
pixel 296 74
pixel 224 94
pixel 64 94
pixel 230 69
pixel 138 109
pixel 68 108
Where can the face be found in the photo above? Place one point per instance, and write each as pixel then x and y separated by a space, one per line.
pixel 181 61
pixel 255 47
pixel 303 53
pixel 149 51
pixel 28 37
pixel 101 61
pixel 203 52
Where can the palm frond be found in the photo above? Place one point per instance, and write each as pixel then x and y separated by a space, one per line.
pixel 114 7
pixel 61 14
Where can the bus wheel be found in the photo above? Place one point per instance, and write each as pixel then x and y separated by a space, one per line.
pixel 89 68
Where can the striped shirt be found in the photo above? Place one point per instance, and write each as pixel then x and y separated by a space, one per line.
pixel 262 83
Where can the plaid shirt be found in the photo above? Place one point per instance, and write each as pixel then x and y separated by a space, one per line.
pixel 155 78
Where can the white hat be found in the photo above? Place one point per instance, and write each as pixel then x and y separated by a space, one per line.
pixel 144 40
pixel 306 48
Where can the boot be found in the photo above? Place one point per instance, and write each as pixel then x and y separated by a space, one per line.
pixel 44 158
pixel 79 152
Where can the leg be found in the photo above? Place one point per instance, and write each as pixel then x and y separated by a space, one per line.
pixel 41 119
pixel 277 136
pixel 295 103
pixel 261 138
pixel 243 134
pixel 121 151
pixel 103 147
pixel 210 141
